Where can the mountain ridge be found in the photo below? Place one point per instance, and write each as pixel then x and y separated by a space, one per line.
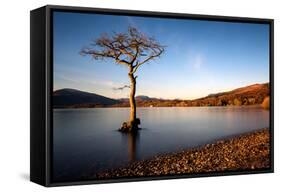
pixel 68 97
pixel 247 95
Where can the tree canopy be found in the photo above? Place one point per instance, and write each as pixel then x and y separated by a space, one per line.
pixel 132 48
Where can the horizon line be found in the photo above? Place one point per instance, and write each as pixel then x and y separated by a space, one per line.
pixel 164 98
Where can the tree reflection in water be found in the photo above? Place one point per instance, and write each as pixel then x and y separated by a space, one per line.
pixel 133 142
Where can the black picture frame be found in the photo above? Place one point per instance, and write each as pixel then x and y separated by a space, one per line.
pixel 41 83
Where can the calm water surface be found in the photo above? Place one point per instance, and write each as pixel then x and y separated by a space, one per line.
pixel 85 141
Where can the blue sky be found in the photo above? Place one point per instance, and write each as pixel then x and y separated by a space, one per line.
pixel 201 57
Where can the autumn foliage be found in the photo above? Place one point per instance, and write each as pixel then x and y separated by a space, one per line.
pixel 249 95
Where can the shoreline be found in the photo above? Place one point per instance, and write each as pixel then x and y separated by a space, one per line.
pixel 123 107
pixel 248 151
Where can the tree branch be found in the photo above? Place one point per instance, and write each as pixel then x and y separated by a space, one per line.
pixel 125 48
pixel 121 88
pixel 161 50
pixel 104 54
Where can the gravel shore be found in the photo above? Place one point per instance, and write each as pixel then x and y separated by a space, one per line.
pixel 244 152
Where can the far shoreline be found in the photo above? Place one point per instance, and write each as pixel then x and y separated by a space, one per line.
pixel 112 107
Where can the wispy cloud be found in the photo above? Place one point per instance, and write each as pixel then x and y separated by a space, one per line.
pixel 65 78
pixel 131 22
pixel 195 62
pixel 198 62
pixel 106 83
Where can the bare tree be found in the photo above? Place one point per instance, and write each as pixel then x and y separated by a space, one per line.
pixel 131 49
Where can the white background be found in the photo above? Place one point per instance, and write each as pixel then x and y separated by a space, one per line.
pixel 14 94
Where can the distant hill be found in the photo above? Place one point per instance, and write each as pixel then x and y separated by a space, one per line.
pixel 76 98
pixel 251 89
pixel 248 95
pixel 139 98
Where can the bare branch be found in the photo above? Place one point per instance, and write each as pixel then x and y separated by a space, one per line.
pixel 104 54
pixel 157 54
pixel 132 49
pixel 121 88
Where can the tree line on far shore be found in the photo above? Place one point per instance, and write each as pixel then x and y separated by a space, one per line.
pixel 250 95
pixel 256 94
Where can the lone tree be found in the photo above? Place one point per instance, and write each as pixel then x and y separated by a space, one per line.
pixel 131 49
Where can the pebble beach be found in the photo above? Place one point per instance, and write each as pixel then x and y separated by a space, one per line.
pixel 244 152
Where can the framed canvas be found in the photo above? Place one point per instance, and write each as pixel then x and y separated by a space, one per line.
pixel 125 95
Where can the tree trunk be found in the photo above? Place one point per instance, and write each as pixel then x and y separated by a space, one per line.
pixel 133 123
pixel 133 113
